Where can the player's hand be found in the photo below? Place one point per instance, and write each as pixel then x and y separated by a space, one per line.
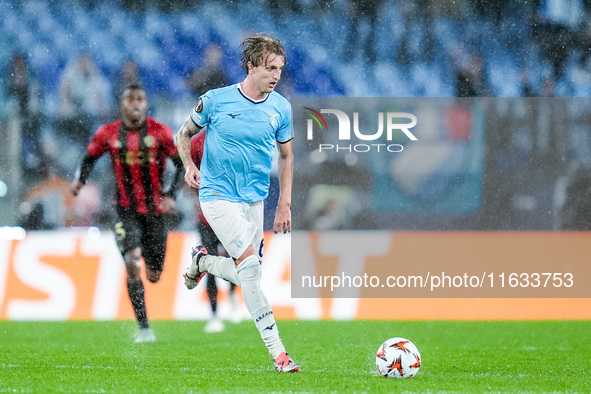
pixel 282 222
pixel 76 186
pixel 167 205
pixel 193 177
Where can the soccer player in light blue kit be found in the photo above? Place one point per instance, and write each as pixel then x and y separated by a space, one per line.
pixel 245 123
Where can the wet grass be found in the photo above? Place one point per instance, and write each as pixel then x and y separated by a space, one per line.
pixel 497 356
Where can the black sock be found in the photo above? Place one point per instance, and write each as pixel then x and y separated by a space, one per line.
pixel 135 289
pixel 212 292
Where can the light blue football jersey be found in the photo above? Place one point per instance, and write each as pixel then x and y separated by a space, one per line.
pixel 239 143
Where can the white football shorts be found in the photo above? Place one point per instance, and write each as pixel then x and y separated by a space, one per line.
pixel 237 225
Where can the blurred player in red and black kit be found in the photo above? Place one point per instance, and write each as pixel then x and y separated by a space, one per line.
pixel 138 147
pixel 211 242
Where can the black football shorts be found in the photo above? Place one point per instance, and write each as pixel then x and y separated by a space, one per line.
pixel 147 232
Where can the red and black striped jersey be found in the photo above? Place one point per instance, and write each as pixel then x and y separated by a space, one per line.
pixel 197 146
pixel 138 158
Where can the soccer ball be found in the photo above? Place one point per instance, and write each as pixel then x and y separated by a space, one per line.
pixel 398 358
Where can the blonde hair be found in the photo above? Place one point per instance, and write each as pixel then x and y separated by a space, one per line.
pixel 257 48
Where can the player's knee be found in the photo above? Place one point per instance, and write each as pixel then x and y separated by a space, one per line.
pixel 152 275
pixel 132 263
pixel 247 253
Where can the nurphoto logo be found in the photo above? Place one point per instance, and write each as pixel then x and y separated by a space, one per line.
pixel 391 119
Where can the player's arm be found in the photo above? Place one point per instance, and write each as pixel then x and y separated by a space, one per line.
pixel 177 177
pixel 282 222
pixel 168 197
pixel 94 151
pixel 83 173
pixel 183 143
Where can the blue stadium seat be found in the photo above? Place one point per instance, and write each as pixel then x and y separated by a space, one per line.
pixel 168 45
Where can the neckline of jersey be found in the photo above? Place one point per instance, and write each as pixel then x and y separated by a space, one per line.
pixel 250 99
pixel 141 126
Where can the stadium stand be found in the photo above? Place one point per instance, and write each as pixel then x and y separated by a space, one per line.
pixel 167 45
pixel 417 61
pixel 527 49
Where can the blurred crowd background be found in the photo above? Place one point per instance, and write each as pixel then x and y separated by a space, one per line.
pixel 64 61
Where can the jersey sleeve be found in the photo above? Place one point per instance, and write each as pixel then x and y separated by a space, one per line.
pixel 285 132
pixel 202 111
pixel 166 141
pixel 99 143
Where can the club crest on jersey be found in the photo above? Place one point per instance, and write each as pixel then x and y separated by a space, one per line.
pixel 272 119
pixel 149 141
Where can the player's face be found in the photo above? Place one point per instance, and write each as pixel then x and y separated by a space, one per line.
pixel 134 105
pixel 268 74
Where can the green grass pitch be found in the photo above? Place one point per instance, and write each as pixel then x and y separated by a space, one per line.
pixel 540 356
